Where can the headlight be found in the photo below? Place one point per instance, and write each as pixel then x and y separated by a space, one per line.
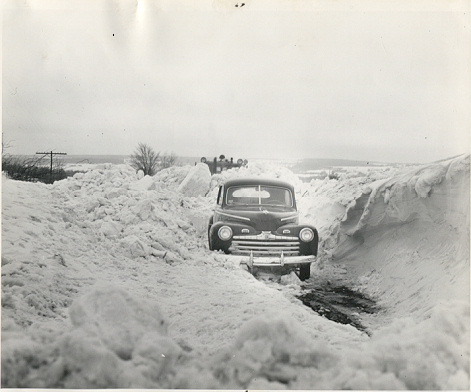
pixel 306 234
pixel 225 233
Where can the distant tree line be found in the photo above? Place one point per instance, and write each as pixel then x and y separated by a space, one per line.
pixel 24 168
pixel 31 169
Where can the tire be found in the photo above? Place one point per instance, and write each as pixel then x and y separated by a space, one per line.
pixel 305 272
pixel 210 245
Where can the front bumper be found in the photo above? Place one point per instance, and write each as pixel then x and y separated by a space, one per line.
pixel 281 261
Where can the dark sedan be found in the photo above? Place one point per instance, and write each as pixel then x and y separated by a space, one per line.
pixel 257 219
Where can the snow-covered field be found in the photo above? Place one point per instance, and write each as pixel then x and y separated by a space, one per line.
pixel 107 282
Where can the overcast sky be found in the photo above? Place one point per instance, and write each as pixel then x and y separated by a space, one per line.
pixel 271 79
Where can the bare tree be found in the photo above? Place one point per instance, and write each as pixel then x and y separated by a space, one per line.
pixel 145 159
pixel 6 144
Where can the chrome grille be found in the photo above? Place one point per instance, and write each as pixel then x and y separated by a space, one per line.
pixel 265 244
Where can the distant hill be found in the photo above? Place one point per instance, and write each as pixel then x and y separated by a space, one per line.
pixel 317 164
pixel 115 159
pixel 296 165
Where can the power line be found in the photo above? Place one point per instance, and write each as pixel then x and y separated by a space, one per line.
pixel 51 153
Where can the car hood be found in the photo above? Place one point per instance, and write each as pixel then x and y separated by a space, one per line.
pixel 261 218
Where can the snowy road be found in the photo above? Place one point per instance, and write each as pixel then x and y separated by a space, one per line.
pixel 107 282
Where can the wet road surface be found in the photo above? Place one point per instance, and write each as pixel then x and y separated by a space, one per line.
pixel 339 303
pixel 334 300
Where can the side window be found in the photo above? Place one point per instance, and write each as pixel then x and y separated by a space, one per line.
pixel 220 193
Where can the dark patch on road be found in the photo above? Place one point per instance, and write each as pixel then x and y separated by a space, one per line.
pixel 340 304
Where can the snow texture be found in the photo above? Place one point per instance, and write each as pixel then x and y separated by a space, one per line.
pixel 107 282
pixel 197 181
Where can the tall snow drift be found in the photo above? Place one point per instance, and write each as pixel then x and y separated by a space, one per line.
pixel 407 238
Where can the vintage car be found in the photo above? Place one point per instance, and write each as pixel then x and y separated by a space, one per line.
pixel 258 220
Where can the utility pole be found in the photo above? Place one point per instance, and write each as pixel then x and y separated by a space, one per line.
pixel 51 153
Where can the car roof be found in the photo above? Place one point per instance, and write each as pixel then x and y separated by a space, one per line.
pixel 258 181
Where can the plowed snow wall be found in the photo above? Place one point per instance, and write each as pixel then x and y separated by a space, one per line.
pixel 407 238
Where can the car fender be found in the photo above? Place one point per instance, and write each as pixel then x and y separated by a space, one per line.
pixel 237 228
pixel 306 248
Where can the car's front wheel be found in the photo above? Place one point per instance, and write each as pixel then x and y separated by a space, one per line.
pixel 210 245
pixel 305 272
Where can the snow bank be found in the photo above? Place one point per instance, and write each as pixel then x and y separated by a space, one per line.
pixel 55 237
pixel 272 353
pixel 114 341
pixel 145 183
pixel 84 167
pixel 406 239
pixel 324 202
pixel 117 317
pixel 173 176
pixel 196 182
pixel 258 169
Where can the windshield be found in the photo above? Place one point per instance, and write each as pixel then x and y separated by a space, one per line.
pixel 255 195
